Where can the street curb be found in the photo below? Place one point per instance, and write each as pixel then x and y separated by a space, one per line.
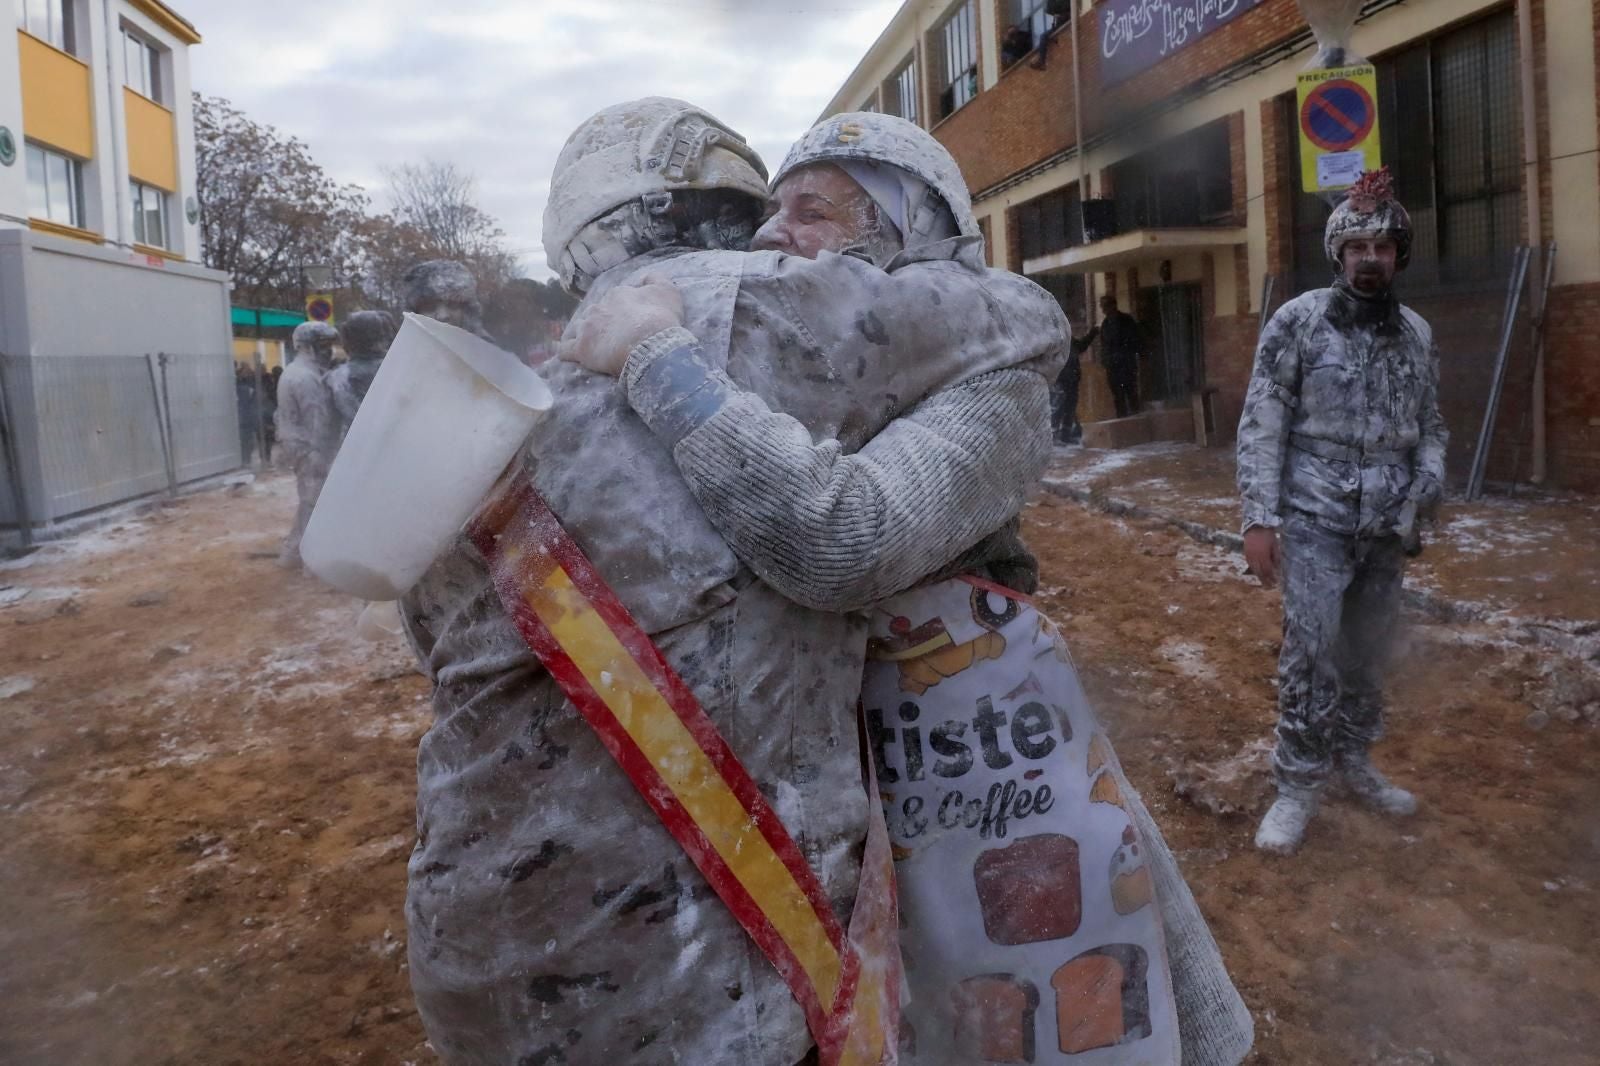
pixel 1576 640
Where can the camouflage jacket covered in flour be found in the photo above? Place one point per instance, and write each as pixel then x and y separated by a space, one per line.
pixel 551 918
pixel 1341 421
pixel 307 423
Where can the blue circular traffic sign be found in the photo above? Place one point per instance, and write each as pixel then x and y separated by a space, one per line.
pixel 1338 115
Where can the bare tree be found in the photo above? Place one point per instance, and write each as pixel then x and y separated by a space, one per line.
pixel 267 208
pixel 435 215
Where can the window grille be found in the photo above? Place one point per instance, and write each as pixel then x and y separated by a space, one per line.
pixel 1051 223
pixel 1188 181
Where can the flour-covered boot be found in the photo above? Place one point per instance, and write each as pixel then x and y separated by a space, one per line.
pixel 1284 827
pixel 1372 788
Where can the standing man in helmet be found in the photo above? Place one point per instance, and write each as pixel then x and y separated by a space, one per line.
pixel 308 424
pixel 366 336
pixel 1340 444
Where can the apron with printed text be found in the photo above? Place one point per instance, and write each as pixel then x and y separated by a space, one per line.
pixel 1030 928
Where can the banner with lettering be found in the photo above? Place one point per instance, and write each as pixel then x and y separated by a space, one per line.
pixel 1030 928
pixel 1137 34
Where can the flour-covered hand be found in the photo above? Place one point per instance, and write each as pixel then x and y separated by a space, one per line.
pixel 606 332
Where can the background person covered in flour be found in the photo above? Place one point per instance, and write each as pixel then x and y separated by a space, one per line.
pixel 308 428
pixel 795 509
pixel 549 911
pixel 367 336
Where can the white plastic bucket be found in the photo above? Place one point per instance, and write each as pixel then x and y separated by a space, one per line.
pixel 444 415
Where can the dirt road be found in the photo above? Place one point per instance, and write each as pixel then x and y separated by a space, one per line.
pixel 207 789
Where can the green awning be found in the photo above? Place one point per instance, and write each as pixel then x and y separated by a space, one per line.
pixel 270 318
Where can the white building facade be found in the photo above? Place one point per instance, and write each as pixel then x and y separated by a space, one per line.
pixel 100 282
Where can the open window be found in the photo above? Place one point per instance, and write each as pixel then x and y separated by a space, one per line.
pixel 955 44
pixel 1028 23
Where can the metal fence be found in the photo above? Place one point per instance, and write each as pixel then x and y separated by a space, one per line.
pixel 82 432
pixel 1483 311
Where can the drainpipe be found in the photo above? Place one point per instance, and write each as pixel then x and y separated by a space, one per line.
pixel 1083 166
pixel 119 180
pixel 1530 183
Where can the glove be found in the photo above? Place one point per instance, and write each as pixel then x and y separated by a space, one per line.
pixel 1406 527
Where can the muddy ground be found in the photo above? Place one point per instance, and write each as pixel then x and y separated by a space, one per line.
pixel 207 791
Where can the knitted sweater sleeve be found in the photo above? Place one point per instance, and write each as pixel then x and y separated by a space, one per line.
pixel 835 531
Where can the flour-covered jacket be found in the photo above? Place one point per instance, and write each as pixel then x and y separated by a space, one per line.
pixel 349 384
pixel 306 422
pixel 551 917
pixel 1341 420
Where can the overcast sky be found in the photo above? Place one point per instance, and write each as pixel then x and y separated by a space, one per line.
pixel 496 87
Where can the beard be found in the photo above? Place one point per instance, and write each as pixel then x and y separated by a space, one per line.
pixel 1369 280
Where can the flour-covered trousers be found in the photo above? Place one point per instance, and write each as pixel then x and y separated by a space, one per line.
pixel 308 478
pixel 1341 600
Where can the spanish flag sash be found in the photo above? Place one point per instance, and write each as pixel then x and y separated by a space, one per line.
pixel 648 719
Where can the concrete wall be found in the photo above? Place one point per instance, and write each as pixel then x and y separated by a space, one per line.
pixel 84 300
pixel 78 327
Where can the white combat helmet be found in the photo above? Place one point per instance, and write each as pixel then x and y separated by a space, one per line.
pixel 307 335
pixel 866 136
pixel 1367 212
pixel 636 150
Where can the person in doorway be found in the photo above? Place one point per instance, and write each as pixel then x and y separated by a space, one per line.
pixel 269 412
pixel 1064 424
pixel 308 425
pixel 1120 348
pixel 366 336
pixel 1340 445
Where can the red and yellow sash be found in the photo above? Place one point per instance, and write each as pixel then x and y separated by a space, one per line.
pixel 651 723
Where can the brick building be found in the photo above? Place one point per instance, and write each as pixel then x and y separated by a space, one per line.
pixel 1194 211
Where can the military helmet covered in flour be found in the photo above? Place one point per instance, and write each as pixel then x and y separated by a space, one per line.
pixel 1369 211
pixel 636 149
pixel 309 336
pixel 367 334
pixel 870 137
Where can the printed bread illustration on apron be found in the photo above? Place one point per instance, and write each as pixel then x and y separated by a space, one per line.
pixel 994 1018
pixel 1030 932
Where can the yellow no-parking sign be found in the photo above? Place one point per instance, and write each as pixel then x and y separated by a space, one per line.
pixel 1338 126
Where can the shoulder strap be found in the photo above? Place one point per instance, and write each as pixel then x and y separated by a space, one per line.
pixel 651 723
